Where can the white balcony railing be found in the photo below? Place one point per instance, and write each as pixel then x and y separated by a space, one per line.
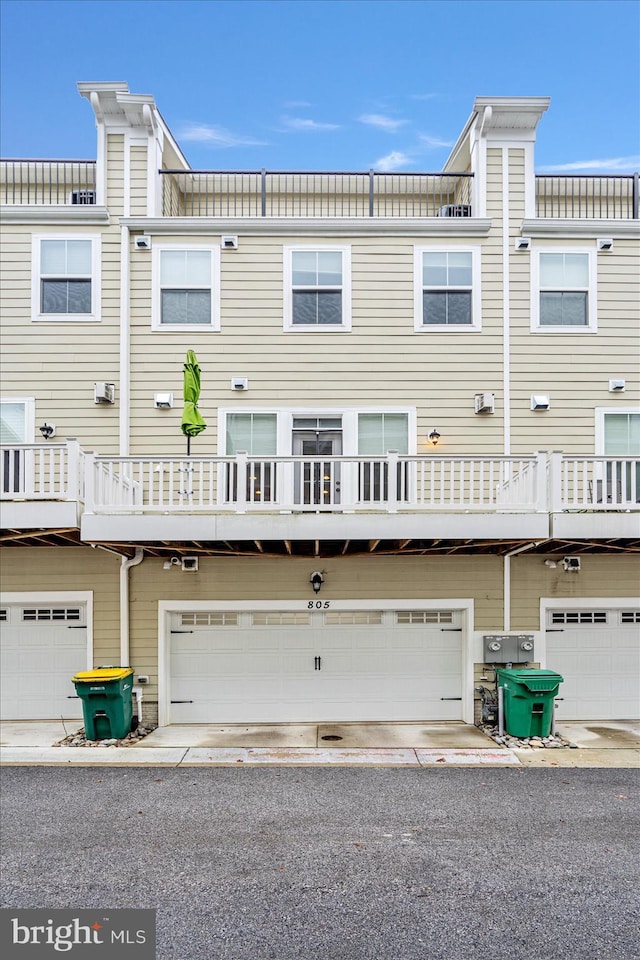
pixel 542 483
pixel 595 483
pixel 246 483
pixel 44 471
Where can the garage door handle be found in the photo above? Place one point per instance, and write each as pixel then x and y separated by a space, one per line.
pixel 70 697
pixel 317 663
pixel 451 698
pixel 182 701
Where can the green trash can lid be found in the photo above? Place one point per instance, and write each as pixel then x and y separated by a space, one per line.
pixel 533 679
pixel 102 673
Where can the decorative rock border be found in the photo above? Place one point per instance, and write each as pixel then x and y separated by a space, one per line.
pixel 554 741
pixel 79 739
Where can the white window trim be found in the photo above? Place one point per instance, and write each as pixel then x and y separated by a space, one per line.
pixel 601 413
pixel 29 404
pixel 476 289
pixel 96 282
pixel 156 306
pixel 592 292
pixel 349 415
pixel 288 325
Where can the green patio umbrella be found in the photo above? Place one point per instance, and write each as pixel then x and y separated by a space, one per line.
pixel 192 421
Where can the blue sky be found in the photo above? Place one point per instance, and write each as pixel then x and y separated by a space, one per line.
pixel 326 84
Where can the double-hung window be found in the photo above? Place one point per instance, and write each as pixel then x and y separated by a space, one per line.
pixel 563 291
pixel 186 288
pixel 447 289
pixel 317 288
pixel 66 278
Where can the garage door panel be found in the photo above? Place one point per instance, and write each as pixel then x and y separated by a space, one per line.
pixel 312 669
pixel 600 663
pixel 38 662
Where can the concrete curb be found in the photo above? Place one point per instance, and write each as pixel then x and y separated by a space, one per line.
pixel 257 756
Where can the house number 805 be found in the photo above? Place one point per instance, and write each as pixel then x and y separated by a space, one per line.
pixel 318 605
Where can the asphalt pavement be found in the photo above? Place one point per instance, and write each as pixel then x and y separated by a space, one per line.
pixel 285 863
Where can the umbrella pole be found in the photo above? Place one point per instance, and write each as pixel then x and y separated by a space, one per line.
pixel 188 445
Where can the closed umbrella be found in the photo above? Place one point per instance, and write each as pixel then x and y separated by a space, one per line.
pixel 192 421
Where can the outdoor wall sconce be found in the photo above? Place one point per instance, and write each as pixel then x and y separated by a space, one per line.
pixel 434 436
pixel 316 580
pixel 47 430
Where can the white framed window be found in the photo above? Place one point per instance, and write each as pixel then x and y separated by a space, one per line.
pixel 563 291
pixel 17 426
pixel 65 278
pixel 447 294
pixel 317 288
pixel 186 287
pixel 618 439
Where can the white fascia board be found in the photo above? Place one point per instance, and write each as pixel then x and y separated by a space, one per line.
pixel 571 228
pixel 604 525
pixel 87 87
pixel 60 213
pixel 337 227
pixel 185 528
pixel 40 515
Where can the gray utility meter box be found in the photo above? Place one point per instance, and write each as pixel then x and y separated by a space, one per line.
pixel 504 648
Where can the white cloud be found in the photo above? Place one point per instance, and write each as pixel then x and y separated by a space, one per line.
pixel 299 123
pixel 612 165
pixel 381 122
pixel 432 143
pixel 423 96
pixel 393 161
pixel 216 136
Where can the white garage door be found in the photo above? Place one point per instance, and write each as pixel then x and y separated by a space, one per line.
pixel 598 654
pixel 272 667
pixel 42 648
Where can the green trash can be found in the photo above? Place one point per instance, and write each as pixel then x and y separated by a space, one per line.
pixel 528 696
pixel 107 702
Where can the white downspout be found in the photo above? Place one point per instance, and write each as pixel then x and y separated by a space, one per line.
pixel 506 293
pixel 506 579
pixel 125 347
pixel 125 566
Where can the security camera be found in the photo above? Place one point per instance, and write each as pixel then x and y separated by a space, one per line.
pixel 175 561
pixel 571 564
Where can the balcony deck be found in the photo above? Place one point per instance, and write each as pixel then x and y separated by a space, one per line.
pixel 374 499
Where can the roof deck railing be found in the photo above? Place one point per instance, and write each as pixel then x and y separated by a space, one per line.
pixel 600 197
pixel 48 182
pixel 264 193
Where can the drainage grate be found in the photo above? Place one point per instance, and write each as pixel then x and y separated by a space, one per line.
pixel 331 736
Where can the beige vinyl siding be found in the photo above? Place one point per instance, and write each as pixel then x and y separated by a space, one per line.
pixel 71 569
pixel 516 163
pixel 115 174
pixel 138 186
pixel 494 184
pixel 601 575
pixel 381 361
pixel 574 368
pixel 58 362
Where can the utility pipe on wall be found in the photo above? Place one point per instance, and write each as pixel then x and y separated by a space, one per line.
pixel 125 566
pixel 506 576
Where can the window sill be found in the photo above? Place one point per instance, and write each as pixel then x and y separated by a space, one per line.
pixel 447 328
pixel 66 318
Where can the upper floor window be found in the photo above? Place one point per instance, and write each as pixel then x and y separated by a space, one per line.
pixel 66 278
pixel 563 291
pixel 317 288
pixel 185 292
pixel 447 289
